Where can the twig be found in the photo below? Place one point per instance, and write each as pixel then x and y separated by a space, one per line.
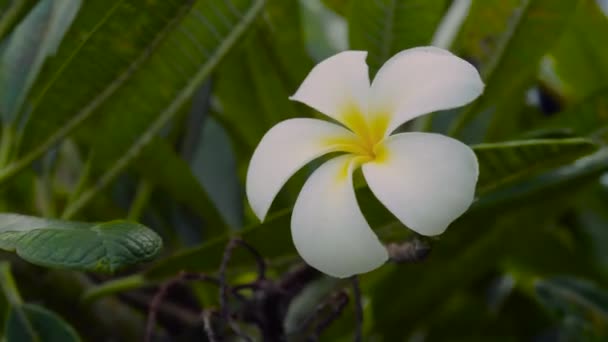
pixel 414 250
pixel 155 303
pixel 358 309
pixel 258 258
pixel 338 302
pixel 162 292
pixel 237 330
pixel 207 324
pixel 222 277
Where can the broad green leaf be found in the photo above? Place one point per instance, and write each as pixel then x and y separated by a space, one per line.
pixel 106 44
pixel 255 80
pixel 507 40
pixel 561 294
pixel 338 6
pixel 282 33
pixel 46 326
pixel 98 247
pixel 273 239
pixel 168 79
pixel 580 58
pixel 160 164
pixel 11 13
pixel 325 32
pixel 501 163
pixel 31 43
pixel 576 301
pixel 214 166
pixel 588 116
pixel 472 248
pixel 181 62
pixel 385 27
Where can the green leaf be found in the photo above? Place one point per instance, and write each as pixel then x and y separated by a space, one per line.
pixel 507 39
pixel 588 116
pixel 338 6
pixel 385 27
pixel 474 246
pixel 182 61
pixel 581 305
pixel 580 58
pixel 97 247
pixel 160 164
pixel 214 166
pixel 502 163
pixel 41 325
pixel 11 13
pixel 31 43
pixel 100 53
pixel 272 238
pixel 255 80
pixel 563 294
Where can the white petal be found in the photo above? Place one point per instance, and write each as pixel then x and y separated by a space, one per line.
pixel 337 85
pixel 426 180
pixel 327 226
pixel 283 150
pixel 422 80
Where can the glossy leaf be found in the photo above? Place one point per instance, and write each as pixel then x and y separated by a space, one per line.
pixel 103 247
pixel 44 324
pixel 502 163
pixel 507 40
pixel 339 6
pixel 581 305
pixel 100 53
pixel 386 27
pixel 273 239
pixel 35 39
pixel 160 164
pixel 577 66
pixel 181 62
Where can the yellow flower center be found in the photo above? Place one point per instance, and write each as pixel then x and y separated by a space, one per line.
pixel 369 131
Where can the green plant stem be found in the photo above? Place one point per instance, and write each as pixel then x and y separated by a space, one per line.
pixel 16 167
pixel 6 142
pixel 11 292
pixel 144 190
pixel 461 121
pixel 85 174
pixel 7 283
pixel 8 19
pixel 166 115
pixel 115 286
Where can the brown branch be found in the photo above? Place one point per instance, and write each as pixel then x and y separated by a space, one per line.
pixel 358 308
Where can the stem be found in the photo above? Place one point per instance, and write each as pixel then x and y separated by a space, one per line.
pixel 167 114
pixel 9 288
pixel 6 142
pixel 461 121
pixel 85 173
pixel 358 309
pixel 9 17
pixel 7 283
pixel 115 286
pixel 144 190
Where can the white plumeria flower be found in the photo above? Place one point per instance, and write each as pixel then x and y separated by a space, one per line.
pixel 426 180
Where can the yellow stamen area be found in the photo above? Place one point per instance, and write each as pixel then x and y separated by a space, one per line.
pixel 367 142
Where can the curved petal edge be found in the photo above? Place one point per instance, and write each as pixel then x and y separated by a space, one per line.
pixel 328 228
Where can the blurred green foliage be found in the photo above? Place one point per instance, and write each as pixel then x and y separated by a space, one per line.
pixel 149 110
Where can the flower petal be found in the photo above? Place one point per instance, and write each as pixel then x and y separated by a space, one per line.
pixel 328 228
pixel 337 85
pixel 283 150
pixel 426 180
pixel 422 80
